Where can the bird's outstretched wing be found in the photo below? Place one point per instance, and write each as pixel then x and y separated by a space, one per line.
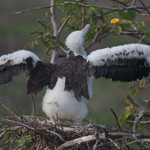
pixel 122 63
pixel 25 61
pixel 15 63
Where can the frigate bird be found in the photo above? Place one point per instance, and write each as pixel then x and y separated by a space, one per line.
pixel 69 83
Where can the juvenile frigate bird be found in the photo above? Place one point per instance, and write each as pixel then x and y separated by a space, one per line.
pixel 70 82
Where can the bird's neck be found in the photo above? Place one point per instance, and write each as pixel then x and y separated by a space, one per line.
pixel 80 52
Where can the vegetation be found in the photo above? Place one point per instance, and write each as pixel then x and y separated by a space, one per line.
pixel 122 18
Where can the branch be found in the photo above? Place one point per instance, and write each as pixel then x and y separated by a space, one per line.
pixel 116 118
pixel 77 141
pixel 65 3
pixel 122 9
pixel 97 37
pixel 10 112
pixel 139 116
pixel 54 56
pixel 135 103
pixel 62 26
pixel 16 122
pixel 43 24
pixel 83 15
pixel 79 4
pixel 146 8
pixel 102 136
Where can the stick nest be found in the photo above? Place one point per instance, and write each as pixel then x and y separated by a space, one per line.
pixel 26 132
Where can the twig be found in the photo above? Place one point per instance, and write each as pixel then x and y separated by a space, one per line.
pixel 29 10
pixel 121 9
pixel 135 103
pixel 97 37
pixel 10 112
pixel 43 24
pixel 33 105
pixel 116 118
pixel 138 37
pixel 139 116
pixel 62 26
pixel 133 3
pixel 83 14
pixel 114 143
pixel 144 6
pixel 16 122
pixel 141 38
pixel 65 51
pixel 77 141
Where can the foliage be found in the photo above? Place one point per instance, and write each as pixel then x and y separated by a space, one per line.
pixel 98 18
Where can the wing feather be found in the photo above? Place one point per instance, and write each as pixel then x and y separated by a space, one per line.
pixel 16 63
pixel 122 63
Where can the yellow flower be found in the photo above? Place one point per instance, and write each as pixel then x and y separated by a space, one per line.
pixel 114 21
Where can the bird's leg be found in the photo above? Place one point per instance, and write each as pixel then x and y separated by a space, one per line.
pixel 33 106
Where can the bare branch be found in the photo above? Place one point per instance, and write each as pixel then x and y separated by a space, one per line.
pixel 77 141
pixel 54 56
pixel 146 8
pixel 83 14
pixel 10 112
pixel 43 24
pixel 16 122
pixel 139 116
pixel 62 26
pixel 116 118
pixel 65 51
pixel 135 103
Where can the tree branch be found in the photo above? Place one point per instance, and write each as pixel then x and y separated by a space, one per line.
pixel 10 112
pixel 54 56
pixel 139 116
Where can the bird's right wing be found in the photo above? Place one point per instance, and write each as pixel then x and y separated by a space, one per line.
pixel 15 63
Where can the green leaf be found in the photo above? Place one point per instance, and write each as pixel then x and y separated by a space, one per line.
pixel 32 44
pixel 142 83
pixel 46 13
pixel 21 141
pixel 125 115
pixel 117 28
pixel 36 32
pixel 133 91
pixel 140 25
pixel 6 135
pixel 127 15
pixel 125 24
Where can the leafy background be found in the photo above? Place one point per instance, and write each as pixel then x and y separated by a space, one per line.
pixel 15 34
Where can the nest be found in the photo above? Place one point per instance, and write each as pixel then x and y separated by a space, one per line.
pixel 32 132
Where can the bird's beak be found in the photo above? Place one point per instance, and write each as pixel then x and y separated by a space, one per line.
pixel 85 29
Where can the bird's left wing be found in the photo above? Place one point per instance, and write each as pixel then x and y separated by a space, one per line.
pixel 122 63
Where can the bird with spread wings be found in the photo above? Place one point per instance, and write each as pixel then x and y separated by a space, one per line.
pixel 69 83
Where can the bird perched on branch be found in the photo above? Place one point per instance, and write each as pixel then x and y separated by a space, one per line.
pixel 70 82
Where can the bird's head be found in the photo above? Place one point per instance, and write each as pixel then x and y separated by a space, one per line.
pixel 75 41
